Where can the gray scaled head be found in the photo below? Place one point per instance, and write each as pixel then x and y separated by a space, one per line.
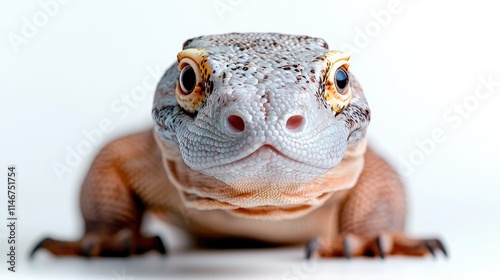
pixel 260 107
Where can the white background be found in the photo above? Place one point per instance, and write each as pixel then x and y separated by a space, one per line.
pixel 66 76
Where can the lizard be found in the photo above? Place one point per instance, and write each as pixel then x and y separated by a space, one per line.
pixel 259 136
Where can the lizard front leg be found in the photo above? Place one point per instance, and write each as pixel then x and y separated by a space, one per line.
pixel 112 201
pixel 372 218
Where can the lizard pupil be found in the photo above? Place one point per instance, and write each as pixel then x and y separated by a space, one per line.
pixel 187 79
pixel 341 80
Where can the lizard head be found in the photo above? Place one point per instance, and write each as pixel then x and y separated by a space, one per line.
pixel 260 123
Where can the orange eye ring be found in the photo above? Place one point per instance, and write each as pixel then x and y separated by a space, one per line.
pixel 190 89
pixel 337 89
pixel 194 71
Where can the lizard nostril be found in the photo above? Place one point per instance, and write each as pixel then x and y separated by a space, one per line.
pixel 294 123
pixel 236 123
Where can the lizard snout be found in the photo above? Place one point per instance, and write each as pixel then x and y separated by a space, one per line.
pixel 234 123
pixel 294 123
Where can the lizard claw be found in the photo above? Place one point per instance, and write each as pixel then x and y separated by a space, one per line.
pixel 347 248
pixel 311 248
pixel 159 246
pixel 39 245
pixel 435 244
pixel 418 247
pixel 57 247
pixel 430 248
pixel 121 244
pixel 351 245
pixel 442 248
pixel 378 242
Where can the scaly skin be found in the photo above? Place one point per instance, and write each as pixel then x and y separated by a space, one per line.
pixel 268 145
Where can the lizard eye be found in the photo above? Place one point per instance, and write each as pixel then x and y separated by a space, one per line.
pixel 190 89
pixel 337 89
pixel 341 80
pixel 187 80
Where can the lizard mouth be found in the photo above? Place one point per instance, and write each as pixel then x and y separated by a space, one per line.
pixel 265 167
pixel 267 152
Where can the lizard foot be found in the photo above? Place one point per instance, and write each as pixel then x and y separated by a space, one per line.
pixel 351 245
pixel 120 244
